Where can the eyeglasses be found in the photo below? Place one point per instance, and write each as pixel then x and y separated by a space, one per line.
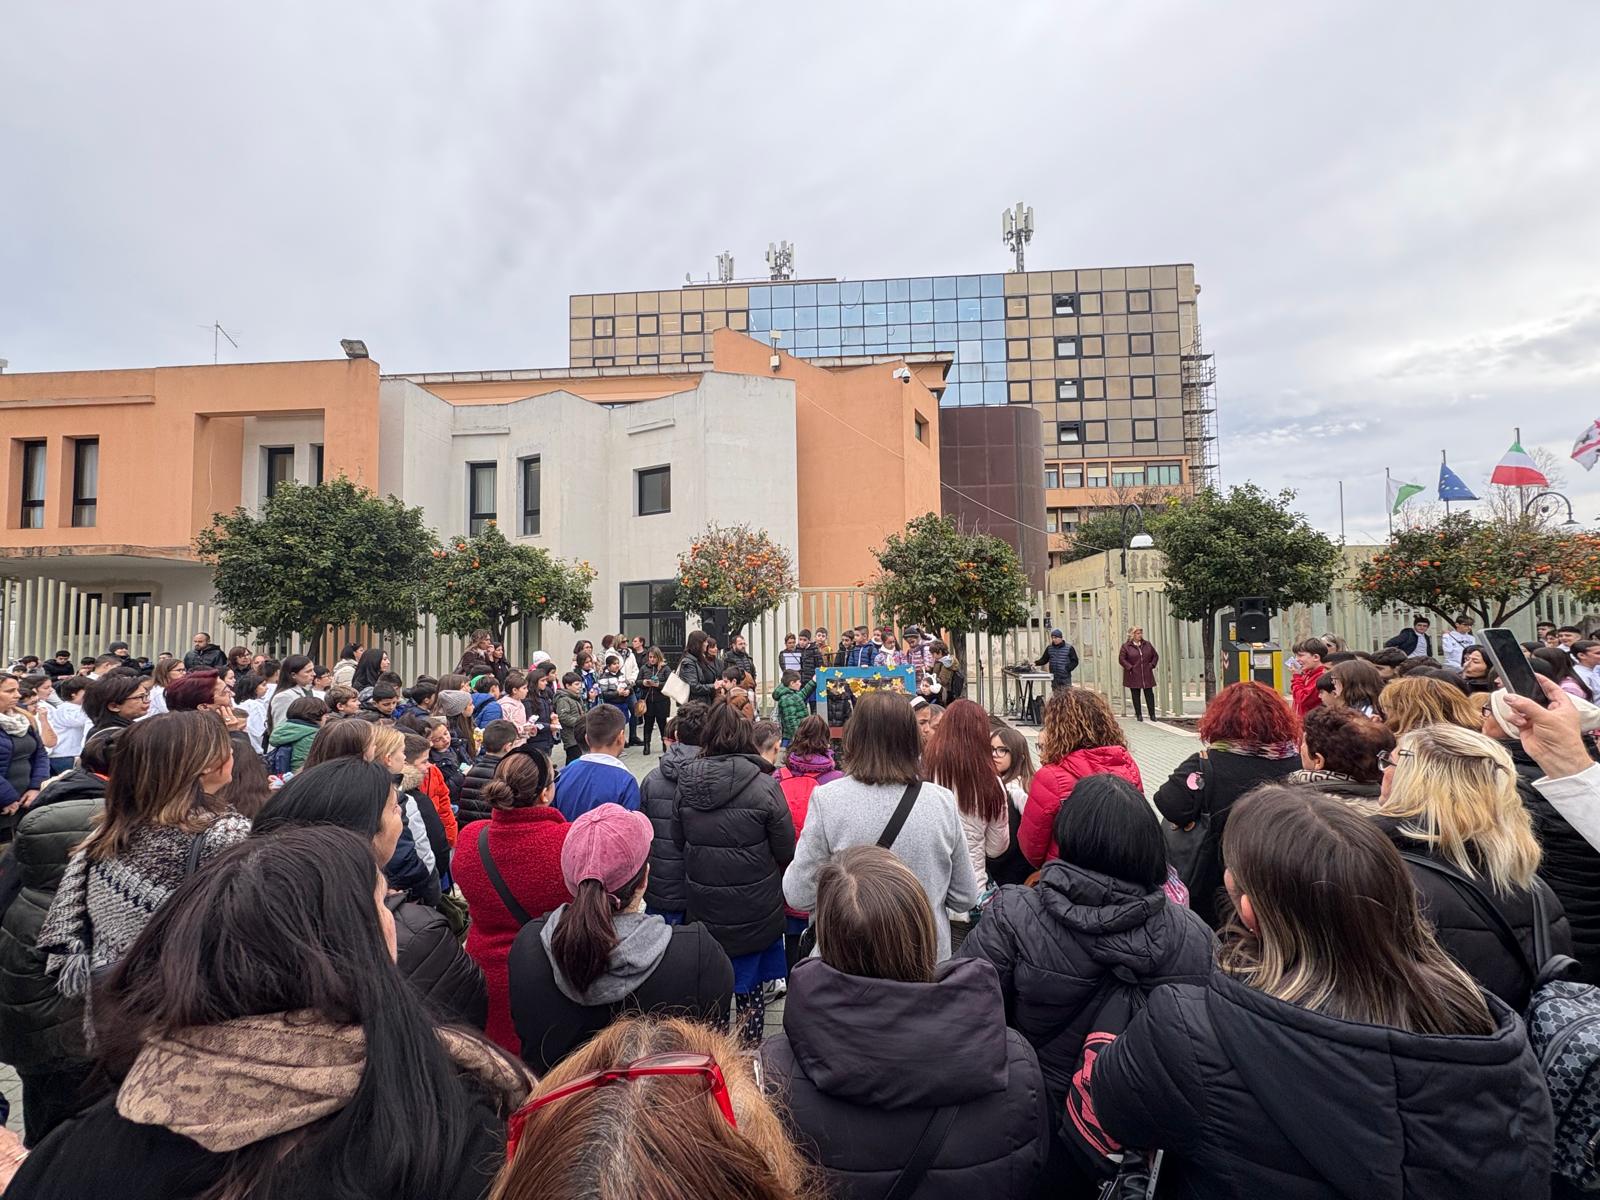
pixel 1391 758
pixel 999 752
pixel 671 1063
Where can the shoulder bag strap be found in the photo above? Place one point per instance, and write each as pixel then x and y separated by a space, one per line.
pixel 923 1153
pixel 1487 908
pixel 518 913
pixel 196 848
pixel 901 812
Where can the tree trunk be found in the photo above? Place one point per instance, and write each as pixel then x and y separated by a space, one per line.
pixel 1208 648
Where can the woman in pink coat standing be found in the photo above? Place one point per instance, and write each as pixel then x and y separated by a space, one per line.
pixel 1138 659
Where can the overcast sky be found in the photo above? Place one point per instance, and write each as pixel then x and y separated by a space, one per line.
pixel 1394 210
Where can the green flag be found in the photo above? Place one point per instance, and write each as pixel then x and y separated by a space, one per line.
pixel 1399 493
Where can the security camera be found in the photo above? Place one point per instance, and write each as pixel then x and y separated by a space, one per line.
pixel 903 374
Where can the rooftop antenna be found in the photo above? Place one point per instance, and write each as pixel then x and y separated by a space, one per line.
pixel 217 334
pixel 780 260
pixel 725 267
pixel 1016 229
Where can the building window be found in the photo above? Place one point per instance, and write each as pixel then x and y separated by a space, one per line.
pixel 33 485
pixel 1066 304
pixel 1139 301
pixel 1066 347
pixel 1139 343
pixel 1144 386
pixel 530 496
pixel 921 423
pixel 280 467
pixel 649 360
pixel 1071 477
pixel 1095 476
pixel 1052 477
pixel 648 611
pixel 1127 475
pixel 1144 430
pixel 694 322
pixel 694 358
pixel 1163 474
pixel 608 361
pixel 85 482
pixel 1066 389
pixel 316 463
pixel 1017 349
pixel 649 325
pixel 605 326
pixel 1069 432
pixel 654 490
pixel 480 496
pixel 1050 521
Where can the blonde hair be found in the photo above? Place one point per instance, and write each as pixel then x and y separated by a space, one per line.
pixel 1413 701
pixel 386 740
pixel 1456 790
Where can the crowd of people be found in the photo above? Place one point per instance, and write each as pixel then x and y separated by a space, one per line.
pixel 271 929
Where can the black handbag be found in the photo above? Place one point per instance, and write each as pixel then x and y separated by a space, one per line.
pixel 1184 846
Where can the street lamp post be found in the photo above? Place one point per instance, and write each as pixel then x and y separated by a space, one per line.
pixel 1547 503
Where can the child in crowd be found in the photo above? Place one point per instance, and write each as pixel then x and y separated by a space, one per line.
pixel 69 722
pixel 512 707
pixel 1310 657
pixel 599 777
pixel 569 711
pixel 791 704
pixel 342 701
pixel 486 701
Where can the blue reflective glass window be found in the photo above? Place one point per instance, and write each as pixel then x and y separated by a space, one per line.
pixel 944 310
pixel 968 372
pixel 921 343
pixel 922 289
pixel 994 307
pixel 993 285
pixel 994 350
pixel 805 339
pixel 874 290
pixel 852 314
pixel 994 393
pixel 827 293
pixel 899 289
pixel 967 286
pixel 805 293
pixel 877 335
pixel 944 287
pixel 993 371
pixel 851 337
pixel 782 295
pixel 899 333
pixel 951 397
pixel 994 329
pixel 969 352
pixel 922 310
pixel 899 312
pixel 760 297
pixel 828 340
pixel 972 395
pixel 969 309
pixel 945 333
pixel 922 331
pixel 970 329
pixel 783 318
pixel 761 336
pixel 877 314
pixel 805 317
pixel 850 293
pixel 827 316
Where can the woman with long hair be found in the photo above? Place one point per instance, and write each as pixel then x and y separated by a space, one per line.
pixel 689 1121
pixel 240 660
pixel 351 793
pixel 263 1044
pixel 1249 736
pixel 1080 738
pixel 249 694
pixel 698 666
pixel 522 842
pixel 370 665
pixel 162 822
pixel 1329 966
pixel 294 683
pixel 1477 672
pixel 1357 685
pixel 1562 671
pixel 1012 759
pixel 1098 920
pixel 883 758
pixel 809 765
pixel 855 1065
pixel 599 954
pixel 167 672
pixel 1450 798
pixel 733 826
pixel 1414 701
pixel 657 707
pixel 1343 752
pixel 960 756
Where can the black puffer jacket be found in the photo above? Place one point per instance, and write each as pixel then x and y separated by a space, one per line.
pixel 658 798
pixel 41 1029
pixel 1570 865
pixel 1467 936
pixel 1253 1097
pixel 736 835
pixel 701 677
pixel 1054 945
pixel 429 955
pixel 863 1064
pixel 471 806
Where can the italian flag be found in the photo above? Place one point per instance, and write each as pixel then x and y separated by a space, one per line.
pixel 1516 469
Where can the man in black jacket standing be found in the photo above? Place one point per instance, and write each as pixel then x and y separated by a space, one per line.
pixel 205 656
pixel 1062 658
pixel 1413 641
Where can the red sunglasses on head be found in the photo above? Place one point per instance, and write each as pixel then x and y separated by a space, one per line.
pixel 671 1063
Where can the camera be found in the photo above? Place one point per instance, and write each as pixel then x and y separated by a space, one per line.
pixel 903 374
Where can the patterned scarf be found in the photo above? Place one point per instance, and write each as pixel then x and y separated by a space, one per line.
pixel 1255 749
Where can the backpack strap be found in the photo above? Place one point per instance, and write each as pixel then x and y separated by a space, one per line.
pixel 518 913
pixel 901 812
pixel 191 864
pixel 923 1153
pixel 1479 900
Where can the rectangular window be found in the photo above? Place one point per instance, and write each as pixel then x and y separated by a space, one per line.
pixel 1052 477
pixel 694 322
pixel 654 490
pixel 1139 343
pixel 1139 301
pixel 85 482
pixel 605 326
pixel 921 425
pixel 1069 432
pixel 607 361
pixel 1144 430
pixel 1066 389
pixel 316 463
pixel 1095 477
pixel 1163 474
pixel 530 496
pixel 1066 304
pixel 647 613
pixel 649 325
pixel 1050 521
pixel 33 485
pixel 1127 475
pixel 1071 477
pixel 1144 386
pixel 1017 349
pixel 279 467
pixel 1066 347
pixel 480 496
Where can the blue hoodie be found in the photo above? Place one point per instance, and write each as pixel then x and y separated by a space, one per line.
pixel 485 708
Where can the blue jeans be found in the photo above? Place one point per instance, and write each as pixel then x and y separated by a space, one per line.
pixel 60 766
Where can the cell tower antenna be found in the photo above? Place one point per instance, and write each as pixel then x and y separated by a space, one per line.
pixel 1016 229
pixel 725 267
pixel 780 260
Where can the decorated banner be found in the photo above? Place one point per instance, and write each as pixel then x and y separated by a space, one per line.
pixel 869 679
pixel 1517 469
pixel 1452 486
pixel 1399 493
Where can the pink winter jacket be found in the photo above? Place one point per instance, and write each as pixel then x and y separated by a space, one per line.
pixel 1053 785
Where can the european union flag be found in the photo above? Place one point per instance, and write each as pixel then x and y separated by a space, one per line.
pixel 1451 486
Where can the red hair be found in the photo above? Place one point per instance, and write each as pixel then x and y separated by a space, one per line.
pixel 960 757
pixel 1249 712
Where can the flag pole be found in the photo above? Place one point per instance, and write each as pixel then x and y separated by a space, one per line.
pixel 1387 503
pixel 1444 462
pixel 1341 512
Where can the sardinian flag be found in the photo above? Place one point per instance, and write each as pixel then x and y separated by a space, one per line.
pixel 1517 469
pixel 1587 448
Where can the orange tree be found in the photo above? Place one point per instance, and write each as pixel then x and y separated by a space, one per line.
pixel 737 568
pixel 488 582
pixel 1491 569
pixel 938 575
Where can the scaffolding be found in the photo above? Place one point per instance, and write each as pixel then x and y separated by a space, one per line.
pixel 1200 413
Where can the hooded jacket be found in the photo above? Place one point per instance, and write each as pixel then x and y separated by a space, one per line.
pixel 298 734
pixel 1055 944
pixel 658 796
pixel 734 830
pixel 430 956
pixel 1254 1097
pixel 655 967
pixel 863 1064
pixel 1053 784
